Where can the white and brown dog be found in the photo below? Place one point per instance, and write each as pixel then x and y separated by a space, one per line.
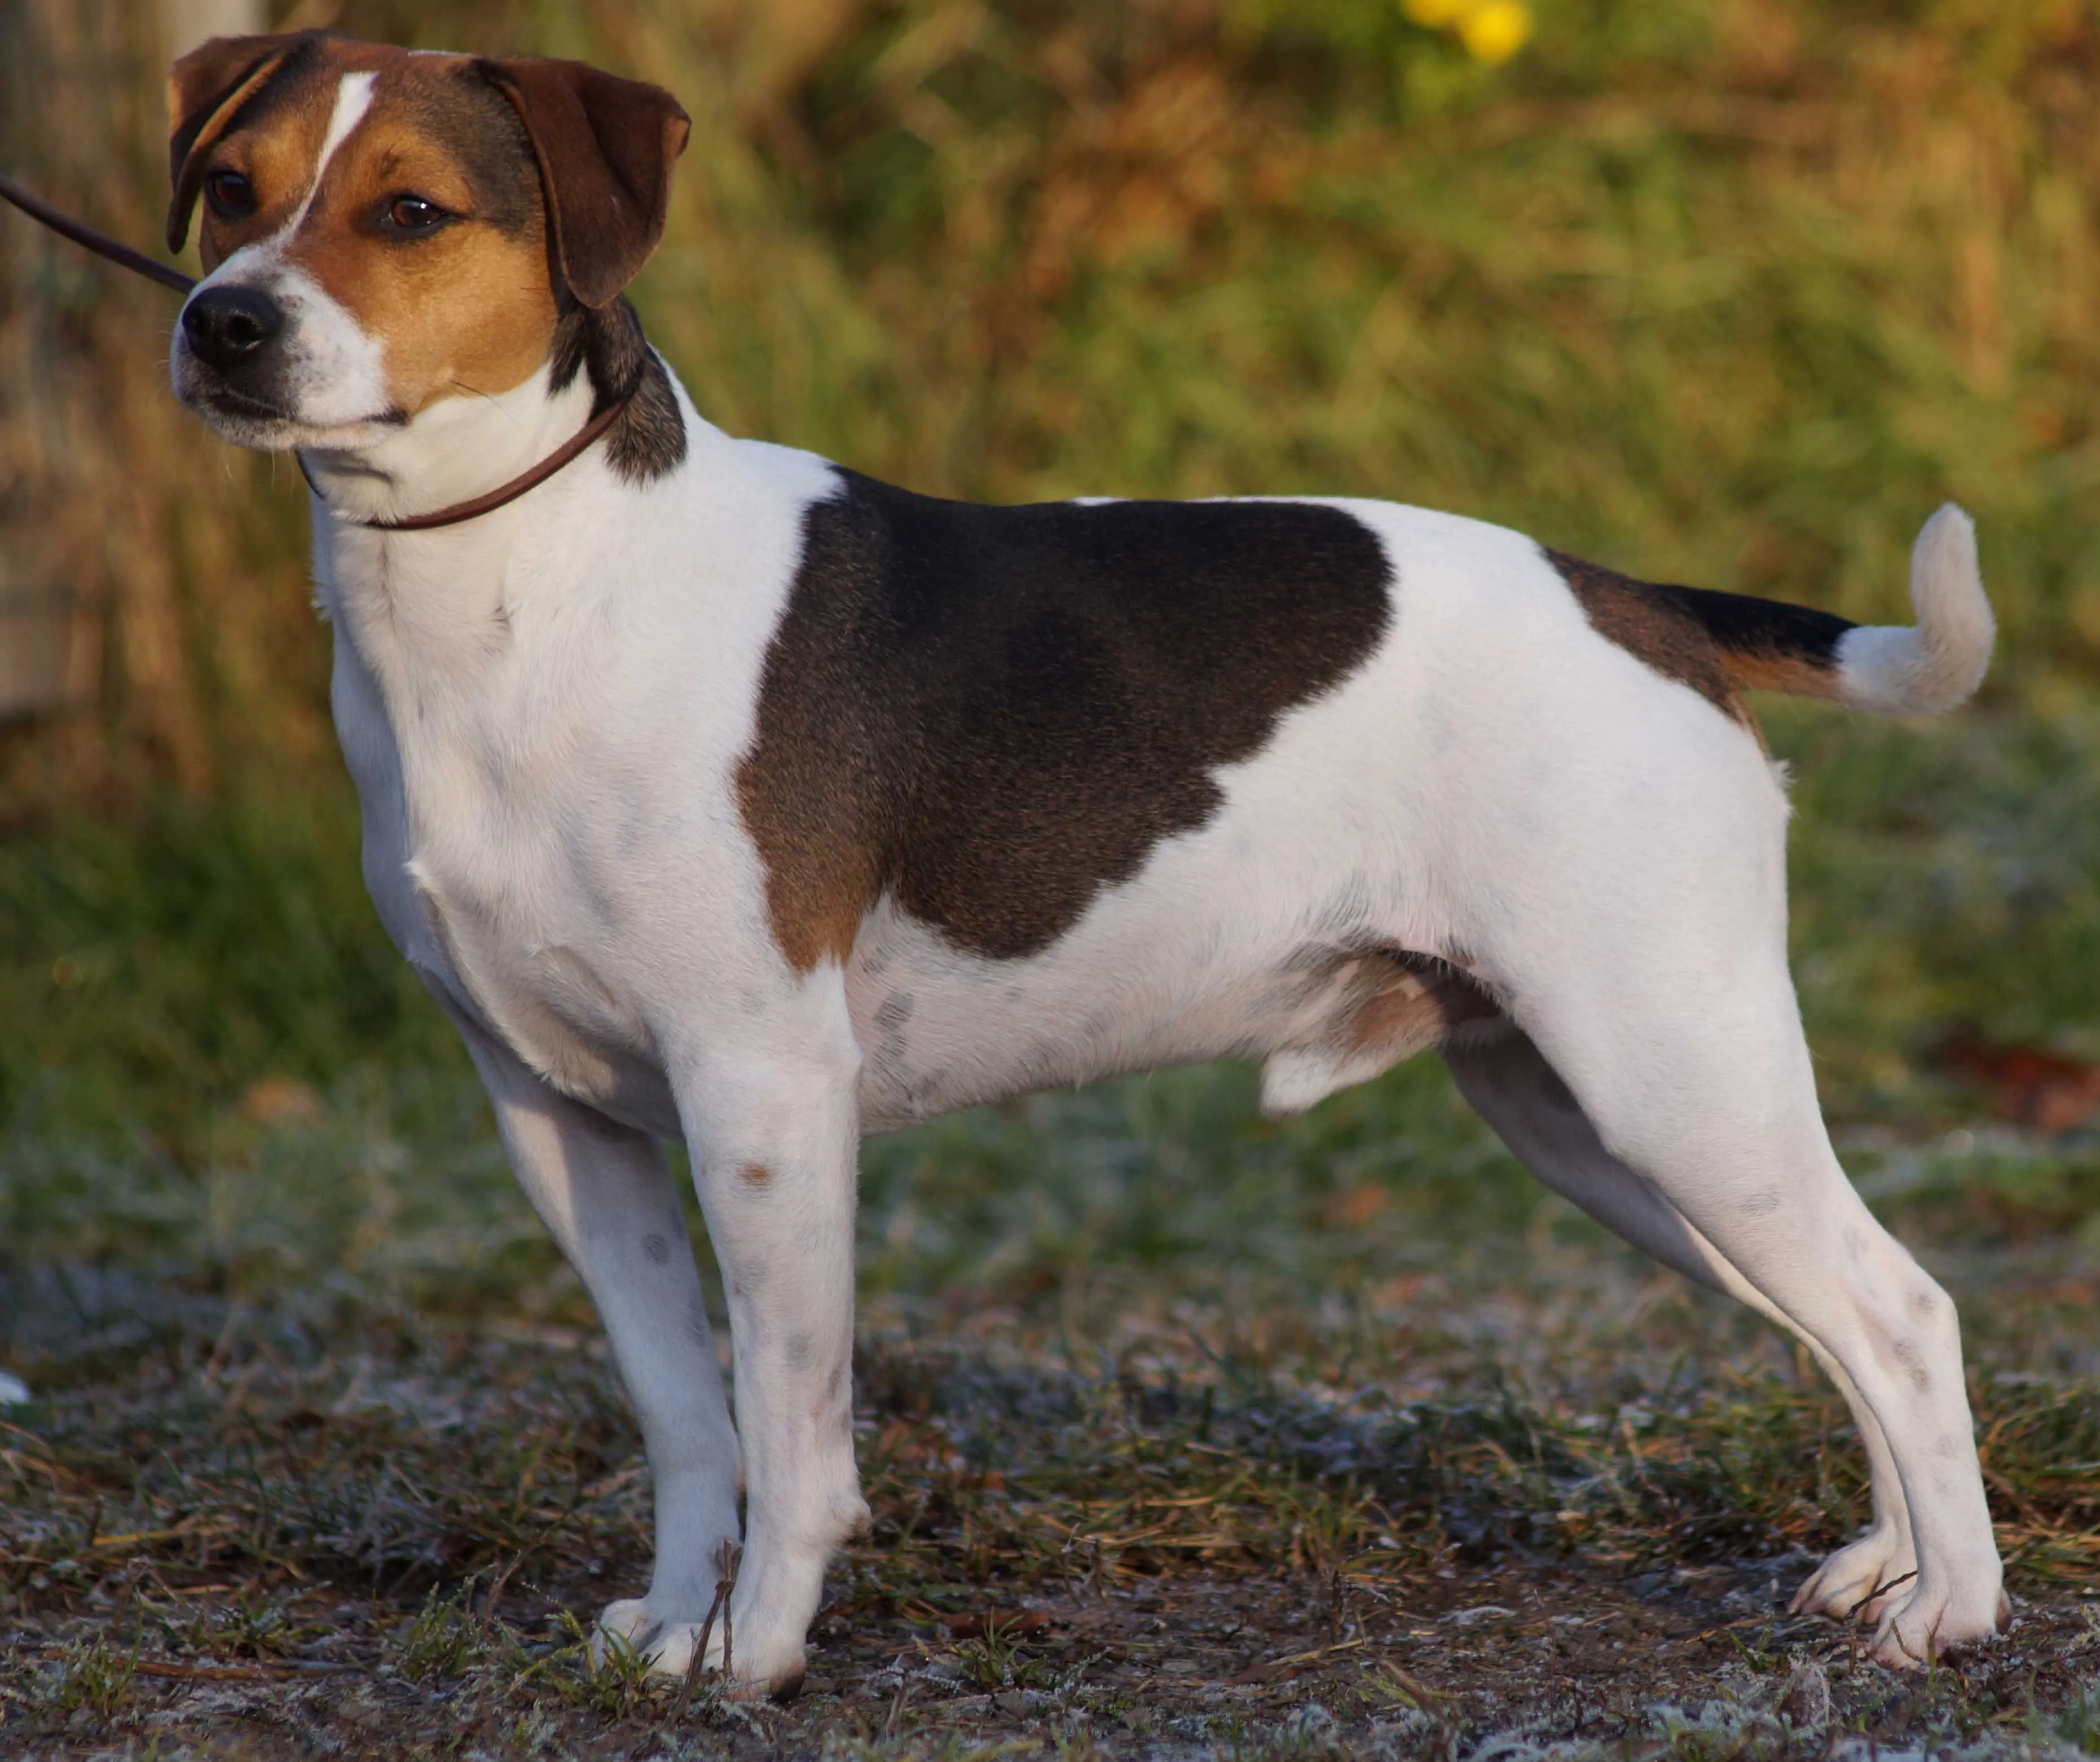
pixel 719 792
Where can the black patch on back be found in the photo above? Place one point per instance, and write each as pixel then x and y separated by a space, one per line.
pixel 607 344
pixel 1771 628
pixel 995 712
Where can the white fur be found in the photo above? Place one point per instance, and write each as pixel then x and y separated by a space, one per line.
pixel 353 97
pixel 1941 661
pixel 545 709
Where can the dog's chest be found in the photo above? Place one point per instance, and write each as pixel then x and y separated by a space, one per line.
pixel 497 863
pixel 531 957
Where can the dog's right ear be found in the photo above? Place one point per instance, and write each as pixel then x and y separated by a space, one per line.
pixel 208 86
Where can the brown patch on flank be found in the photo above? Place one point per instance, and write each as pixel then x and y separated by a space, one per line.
pixel 821 872
pixel 757 1174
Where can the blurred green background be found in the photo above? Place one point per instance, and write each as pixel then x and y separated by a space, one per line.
pixel 1731 292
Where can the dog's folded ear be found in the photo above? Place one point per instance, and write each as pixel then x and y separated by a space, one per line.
pixel 205 92
pixel 606 147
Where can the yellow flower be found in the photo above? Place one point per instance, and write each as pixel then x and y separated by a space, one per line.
pixel 1494 31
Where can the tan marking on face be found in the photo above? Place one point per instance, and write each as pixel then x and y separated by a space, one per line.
pixel 466 309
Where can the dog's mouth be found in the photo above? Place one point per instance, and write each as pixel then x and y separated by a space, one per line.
pixel 248 421
pixel 224 400
pixel 241 416
pixel 259 407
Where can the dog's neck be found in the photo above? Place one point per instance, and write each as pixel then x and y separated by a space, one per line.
pixel 460 448
pixel 429 611
pixel 469 444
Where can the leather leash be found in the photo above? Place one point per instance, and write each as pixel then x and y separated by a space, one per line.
pixel 136 262
pixel 139 264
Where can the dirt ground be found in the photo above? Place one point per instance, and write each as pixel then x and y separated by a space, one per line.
pixel 238 1544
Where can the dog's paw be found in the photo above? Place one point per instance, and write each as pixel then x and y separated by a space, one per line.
pixel 667 1645
pixel 627 1626
pixel 1928 1623
pixel 1845 1586
pixel 776 1672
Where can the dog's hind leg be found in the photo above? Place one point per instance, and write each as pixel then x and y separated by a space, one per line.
pixel 612 1205
pixel 1684 1050
pixel 1518 1093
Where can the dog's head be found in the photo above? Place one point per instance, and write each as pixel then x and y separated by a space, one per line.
pixel 383 229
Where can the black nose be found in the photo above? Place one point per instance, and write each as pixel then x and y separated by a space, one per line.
pixel 226 326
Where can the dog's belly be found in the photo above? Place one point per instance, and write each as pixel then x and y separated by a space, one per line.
pixel 941 1030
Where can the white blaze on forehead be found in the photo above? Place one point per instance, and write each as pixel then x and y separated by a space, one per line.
pixel 353 97
pixel 341 375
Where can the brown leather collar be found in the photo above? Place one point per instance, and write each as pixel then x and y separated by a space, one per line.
pixel 139 264
pixel 503 493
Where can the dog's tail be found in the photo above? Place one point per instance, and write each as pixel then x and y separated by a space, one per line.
pixel 1916 669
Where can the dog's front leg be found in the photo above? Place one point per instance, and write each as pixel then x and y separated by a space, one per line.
pixel 611 1204
pixel 775 1142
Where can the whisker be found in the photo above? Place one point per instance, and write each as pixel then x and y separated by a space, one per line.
pixel 489 396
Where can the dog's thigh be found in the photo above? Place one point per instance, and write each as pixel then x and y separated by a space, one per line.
pixel 1512 1087
pixel 611 1204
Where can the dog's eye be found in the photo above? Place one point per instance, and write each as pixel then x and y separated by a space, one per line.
pixel 413 213
pixel 232 197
